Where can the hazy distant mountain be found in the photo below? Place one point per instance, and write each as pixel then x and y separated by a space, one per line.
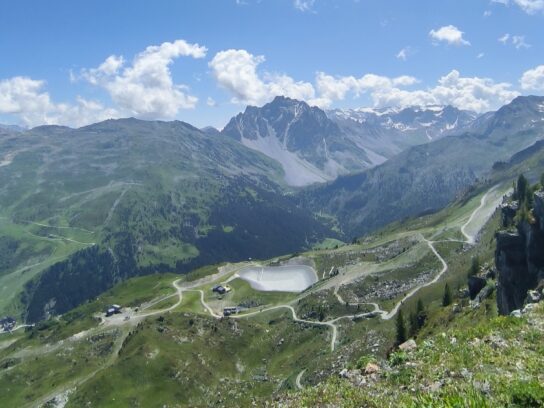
pixel 427 177
pixel 210 130
pixel 388 131
pixel 315 146
pixel 13 128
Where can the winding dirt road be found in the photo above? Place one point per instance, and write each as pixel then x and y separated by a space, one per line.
pixel 470 239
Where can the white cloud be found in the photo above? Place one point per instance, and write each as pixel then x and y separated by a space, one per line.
pixel 25 99
pixel 529 6
pixel 533 79
pixel 145 88
pixel 211 102
pixel 487 13
pixel 480 55
pixel 332 88
pixel 236 71
pixel 504 39
pixel 304 5
pixel 404 53
pixel 449 34
pixel 517 41
pixel 477 94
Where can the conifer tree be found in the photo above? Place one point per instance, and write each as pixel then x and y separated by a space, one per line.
pixel 474 266
pixel 446 299
pixel 421 314
pixel 401 329
pixel 522 189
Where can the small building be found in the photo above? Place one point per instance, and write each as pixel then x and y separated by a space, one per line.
pixel 7 323
pixel 220 289
pixel 227 311
pixel 113 309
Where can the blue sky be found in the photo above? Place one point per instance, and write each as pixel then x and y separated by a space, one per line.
pixel 202 61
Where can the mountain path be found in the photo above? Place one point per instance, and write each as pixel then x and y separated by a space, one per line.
pixel 299 378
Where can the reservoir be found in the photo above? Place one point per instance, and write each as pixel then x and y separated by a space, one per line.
pixel 287 278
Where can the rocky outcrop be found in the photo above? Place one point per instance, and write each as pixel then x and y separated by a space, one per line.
pixel 519 258
pixel 475 285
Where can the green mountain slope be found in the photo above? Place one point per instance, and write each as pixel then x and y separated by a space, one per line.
pixel 169 350
pixel 426 178
pixel 130 197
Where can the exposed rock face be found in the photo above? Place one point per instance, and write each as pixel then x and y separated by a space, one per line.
pixel 519 257
pixel 475 285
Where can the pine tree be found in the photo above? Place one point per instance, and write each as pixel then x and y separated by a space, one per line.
pixel 474 266
pixel 522 188
pixel 446 299
pixel 414 324
pixel 421 314
pixel 401 329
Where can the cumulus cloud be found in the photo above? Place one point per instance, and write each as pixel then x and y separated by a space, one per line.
pixel 332 88
pixel 448 34
pixel 236 71
pixel 477 94
pixel 533 79
pixel 26 99
pixel 145 88
pixel 529 6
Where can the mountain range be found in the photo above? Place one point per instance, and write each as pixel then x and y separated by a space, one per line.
pixel 314 146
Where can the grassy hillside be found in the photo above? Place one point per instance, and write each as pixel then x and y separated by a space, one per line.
pixel 475 360
pixel 186 357
pixel 427 177
pixel 142 197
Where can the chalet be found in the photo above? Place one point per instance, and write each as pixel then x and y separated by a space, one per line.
pixel 227 311
pixel 113 309
pixel 7 323
pixel 220 289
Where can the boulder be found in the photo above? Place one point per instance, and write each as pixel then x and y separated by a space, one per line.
pixel 508 212
pixel 515 313
pixel 485 293
pixel 533 296
pixel 372 368
pixel 515 277
pixel 528 308
pixel 475 285
pixel 408 345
